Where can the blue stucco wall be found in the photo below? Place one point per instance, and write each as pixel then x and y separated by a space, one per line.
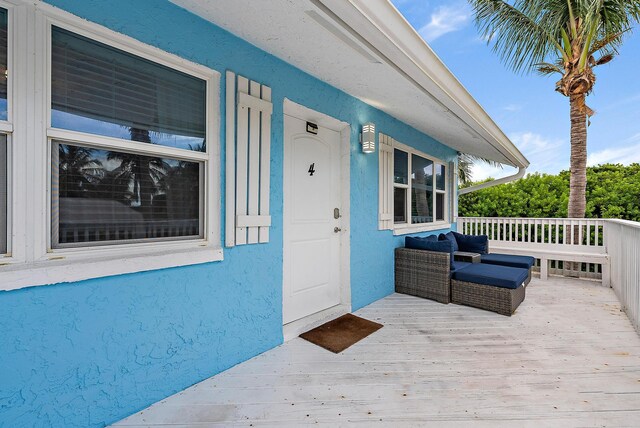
pixel 93 352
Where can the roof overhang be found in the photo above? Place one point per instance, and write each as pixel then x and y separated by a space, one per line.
pixel 367 49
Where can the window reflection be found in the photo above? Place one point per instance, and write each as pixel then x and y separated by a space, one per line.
pixel 399 205
pixel 400 167
pixel 102 196
pixel 439 206
pixel 440 177
pixel 421 190
pixel 101 90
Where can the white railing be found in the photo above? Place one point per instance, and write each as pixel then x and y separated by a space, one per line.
pixel 556 231
pixel 568 247
pixel 623 245
pixel 604 249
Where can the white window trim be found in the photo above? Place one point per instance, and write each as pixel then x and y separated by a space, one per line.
pixel 408 227
pixel 14 128
pixel 31 261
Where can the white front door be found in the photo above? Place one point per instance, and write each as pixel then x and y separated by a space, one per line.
pixel 311 231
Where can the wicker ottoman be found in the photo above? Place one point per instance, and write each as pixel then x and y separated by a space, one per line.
pixel 496 299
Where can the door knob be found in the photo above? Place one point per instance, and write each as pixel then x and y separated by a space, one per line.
pixel 336 229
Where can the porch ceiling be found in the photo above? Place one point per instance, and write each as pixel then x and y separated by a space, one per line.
pixel 367 49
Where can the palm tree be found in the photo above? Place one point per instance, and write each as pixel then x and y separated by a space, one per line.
pixel 465 166
pixel 565 37
pixel 138 178
pixel 79 170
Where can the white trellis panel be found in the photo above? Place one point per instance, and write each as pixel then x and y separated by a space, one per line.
pixel 249 112
pixel 385 177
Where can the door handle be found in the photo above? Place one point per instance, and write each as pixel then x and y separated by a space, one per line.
pixel 336 229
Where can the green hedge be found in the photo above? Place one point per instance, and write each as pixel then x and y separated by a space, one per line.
pixel 613 191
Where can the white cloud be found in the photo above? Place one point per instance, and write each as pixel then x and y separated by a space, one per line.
pixel 481 171
pixel 547 155
pixel 512 107
pixel 628 154
pixel 445 19
pixel 551 155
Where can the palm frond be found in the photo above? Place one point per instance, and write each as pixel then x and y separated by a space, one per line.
pixel 517 38
pixel 610 41
pixel 604 59
pixel 528 32
pixel 545 68
pixel 465 166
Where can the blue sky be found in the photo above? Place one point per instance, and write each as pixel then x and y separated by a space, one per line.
pixel 526 107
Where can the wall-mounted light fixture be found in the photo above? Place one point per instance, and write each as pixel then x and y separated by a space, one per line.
pixel 368 138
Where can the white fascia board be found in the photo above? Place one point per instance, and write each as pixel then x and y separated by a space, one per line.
pixel 422 65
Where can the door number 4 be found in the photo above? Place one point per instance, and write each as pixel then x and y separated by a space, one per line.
pixel 312 169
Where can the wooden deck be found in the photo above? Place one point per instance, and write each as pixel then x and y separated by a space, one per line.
pixel 568 357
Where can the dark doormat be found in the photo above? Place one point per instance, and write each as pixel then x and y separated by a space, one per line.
pixel 340 333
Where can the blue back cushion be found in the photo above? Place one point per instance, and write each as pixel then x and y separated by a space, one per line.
pixel 430 244
pixel 451 238
pixel 472 243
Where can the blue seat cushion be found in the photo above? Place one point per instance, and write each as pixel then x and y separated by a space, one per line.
pixel 430 245
pixel 523 262
pixel 451 238
pixel 455 266
pixel 494 275
pixel 472 243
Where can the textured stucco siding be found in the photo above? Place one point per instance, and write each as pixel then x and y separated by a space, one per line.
pixel 92 352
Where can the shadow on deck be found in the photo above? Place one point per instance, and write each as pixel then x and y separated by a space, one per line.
pixel 568 357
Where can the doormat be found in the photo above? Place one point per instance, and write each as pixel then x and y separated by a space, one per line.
pixel 340 333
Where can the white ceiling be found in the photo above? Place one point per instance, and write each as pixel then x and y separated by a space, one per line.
pixel 337 42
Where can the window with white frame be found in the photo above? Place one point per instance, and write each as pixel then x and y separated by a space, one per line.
pixel 128 146
pixel 109 152
pixel 4 147
pixel 418 195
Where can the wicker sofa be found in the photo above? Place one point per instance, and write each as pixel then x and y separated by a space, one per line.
pixel 428 274
pixel 422 273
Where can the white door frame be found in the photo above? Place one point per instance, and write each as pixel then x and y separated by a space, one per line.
pixel 293 329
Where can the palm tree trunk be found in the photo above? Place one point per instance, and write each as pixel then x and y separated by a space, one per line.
pixel 578 164
pixel 578 181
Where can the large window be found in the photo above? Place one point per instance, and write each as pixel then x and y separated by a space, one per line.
pixel 419 189
pixel 109 152
pixel 103 196
pixel 145 181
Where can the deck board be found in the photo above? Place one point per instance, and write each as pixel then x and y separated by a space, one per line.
pixel 568 357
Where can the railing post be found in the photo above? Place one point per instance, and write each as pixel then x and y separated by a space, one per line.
pixel 606 267
pixel 544 268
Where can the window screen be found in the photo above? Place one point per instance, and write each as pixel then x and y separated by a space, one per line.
pixel 440 177
pixel 102 197
pixel 102 90
pixel 421 190
pixel 399 205
pixel 439 206
pixel 3 194
pixel 400 167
